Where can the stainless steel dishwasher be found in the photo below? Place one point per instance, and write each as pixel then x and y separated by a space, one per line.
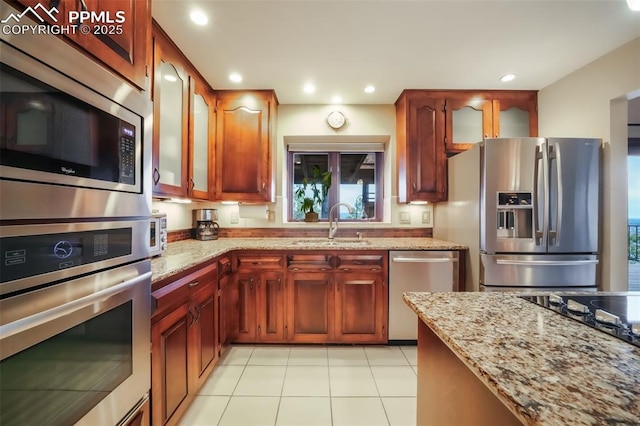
pixel 432 271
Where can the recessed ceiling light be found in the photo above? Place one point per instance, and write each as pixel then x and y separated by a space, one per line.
pixel 634 5
pixel 170 77
pixel 235 77
pixel 199 17
pixel 507 77
pixel 309 88
pixel 369 89
pixel 337 99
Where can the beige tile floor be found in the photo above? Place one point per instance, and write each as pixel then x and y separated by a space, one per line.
pixel 309 385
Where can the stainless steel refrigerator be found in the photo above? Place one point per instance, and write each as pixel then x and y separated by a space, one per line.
pixel 537 208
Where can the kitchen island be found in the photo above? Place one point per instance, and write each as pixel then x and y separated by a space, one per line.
pixel 494 358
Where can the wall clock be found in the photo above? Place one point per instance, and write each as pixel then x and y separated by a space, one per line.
pixel 336 119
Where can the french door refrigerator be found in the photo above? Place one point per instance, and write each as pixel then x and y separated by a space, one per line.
pixel 539 207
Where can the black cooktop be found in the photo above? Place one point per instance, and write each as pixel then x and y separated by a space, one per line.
pixel 617 315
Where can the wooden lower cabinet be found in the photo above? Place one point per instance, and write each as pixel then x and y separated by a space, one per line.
pixel 310 307
pixel 360 314
pixel 169 370
pixel 260 307
pixel 337 298
pixel 184 342
pixel 227 306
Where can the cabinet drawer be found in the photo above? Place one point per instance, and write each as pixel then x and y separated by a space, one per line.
pixel 224 267
pixel 260 262
pixel 361 262
pixel 180 290
pixel 302 262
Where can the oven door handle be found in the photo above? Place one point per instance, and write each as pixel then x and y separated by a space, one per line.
pixel 62 310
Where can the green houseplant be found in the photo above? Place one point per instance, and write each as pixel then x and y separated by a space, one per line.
pixel 319 183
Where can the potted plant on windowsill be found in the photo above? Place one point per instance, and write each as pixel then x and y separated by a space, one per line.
pixel 319 183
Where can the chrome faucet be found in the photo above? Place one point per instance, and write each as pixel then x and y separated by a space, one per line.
pixel 333 226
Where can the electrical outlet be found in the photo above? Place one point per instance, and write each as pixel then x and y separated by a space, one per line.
pixel 404 218
pixel 234 218
pixel 272 216
pixel 426 217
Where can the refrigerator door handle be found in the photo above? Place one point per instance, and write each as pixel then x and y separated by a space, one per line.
pixel 540 229
pixel 547 262
pixel 554 234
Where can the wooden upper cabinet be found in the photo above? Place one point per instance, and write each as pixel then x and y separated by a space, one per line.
pixel 468 120
pixel 183 126
pixel 202 122
pixel 472 116
pixel 420 151
pixel 515 114
pixel 120 40
pixel 171 119
pixel 245 134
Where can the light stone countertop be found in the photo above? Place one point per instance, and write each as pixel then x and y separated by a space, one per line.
pixel 185 254
pixel 548 369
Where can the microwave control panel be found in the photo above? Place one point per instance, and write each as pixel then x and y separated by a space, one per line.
pixel 127 154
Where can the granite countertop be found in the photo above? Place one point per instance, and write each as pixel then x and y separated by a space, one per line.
pixel 546 368
pixel 185 254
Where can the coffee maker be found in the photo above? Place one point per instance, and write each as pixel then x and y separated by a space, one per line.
pixel 204 226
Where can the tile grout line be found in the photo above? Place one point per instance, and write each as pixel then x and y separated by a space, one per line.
pixel 377 388
pixel 244 367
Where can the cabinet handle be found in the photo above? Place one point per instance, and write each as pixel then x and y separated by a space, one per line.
pixel 193 284
pixel 193 184
pixel 346 269
pixel 374 269
pixel 324 269
pixel 497 135
pixel 156 176
pixel 278 284
pixel 264 185
pixel 251 284
pixel 415 187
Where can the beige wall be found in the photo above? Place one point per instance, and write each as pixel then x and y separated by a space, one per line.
pixel 592 102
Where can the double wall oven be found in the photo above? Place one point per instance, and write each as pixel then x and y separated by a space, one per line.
pixel 75 274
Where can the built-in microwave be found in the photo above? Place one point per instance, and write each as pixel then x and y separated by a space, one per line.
pixel 72 136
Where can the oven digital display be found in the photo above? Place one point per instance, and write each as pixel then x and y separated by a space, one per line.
pixel 32 255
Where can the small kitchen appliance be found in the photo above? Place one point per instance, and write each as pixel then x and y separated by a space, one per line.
pixel 204 226
pixel 157 234
pixel 615 314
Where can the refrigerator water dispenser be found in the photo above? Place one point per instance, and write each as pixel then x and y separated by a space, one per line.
pixel 514 215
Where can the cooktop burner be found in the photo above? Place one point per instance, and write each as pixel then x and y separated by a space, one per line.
pixel 617 315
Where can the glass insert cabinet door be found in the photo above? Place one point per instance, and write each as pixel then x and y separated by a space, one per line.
pixel 171 134
pixel 200 144
pixel 468 121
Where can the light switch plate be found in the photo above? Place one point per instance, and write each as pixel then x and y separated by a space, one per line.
pixel 404 218
pixel 234 218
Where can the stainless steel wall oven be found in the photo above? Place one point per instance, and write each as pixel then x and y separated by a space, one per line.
pixel 74 346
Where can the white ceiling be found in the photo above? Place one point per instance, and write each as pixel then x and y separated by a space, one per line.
pixel 343 45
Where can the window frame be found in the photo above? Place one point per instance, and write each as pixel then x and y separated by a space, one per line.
pixel 334 163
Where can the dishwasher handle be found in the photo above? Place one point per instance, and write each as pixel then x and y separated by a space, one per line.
pixel 422 259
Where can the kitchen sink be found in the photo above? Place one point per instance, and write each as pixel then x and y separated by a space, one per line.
pixel 331 243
